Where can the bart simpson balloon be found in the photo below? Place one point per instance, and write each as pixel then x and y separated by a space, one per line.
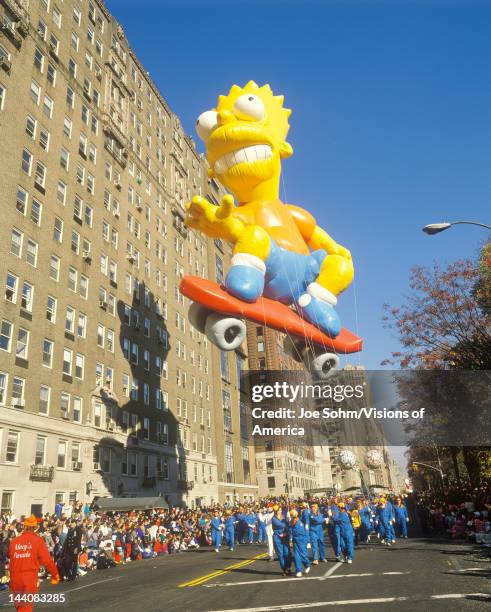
pixel 279 251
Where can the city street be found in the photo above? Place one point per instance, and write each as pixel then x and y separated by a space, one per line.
pixel 412 574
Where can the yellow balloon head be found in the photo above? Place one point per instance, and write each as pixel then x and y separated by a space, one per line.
pixel 245 138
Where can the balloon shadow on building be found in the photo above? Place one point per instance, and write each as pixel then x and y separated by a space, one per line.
pixel 140 456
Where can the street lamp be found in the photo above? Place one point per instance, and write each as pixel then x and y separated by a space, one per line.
pixel 436 228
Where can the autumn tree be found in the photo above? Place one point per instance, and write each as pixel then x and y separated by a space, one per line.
pixel 445 324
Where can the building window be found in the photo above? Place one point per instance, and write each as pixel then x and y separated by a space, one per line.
pixel 64 158
pixel 21 349
pixel 32 252
pixel 44 395
pixel 36 208
pixel 7 503
pixel 21 200
pixel 35 92
pixel 77 409
pixel 67 362
pixel 11 288
pixel 5 335
pixel 48 106
pixel 31 125
pixel 82 325
pixel 44 139
pixel 61 193
pixel 83 287
pixel 70 97
pixel 3 388
pixel 72 279
pixel 27 296
pixel 97 414
pixel 54 267
pixel 12 447
pixel 224 370
pixel 51 309
pixel 40 175
pixel 229 461
pixel 40 452
pixel 79 366
pixel 47 353
pixel 26 162
pixel 51 74
pixel 61 462
pixel 227 410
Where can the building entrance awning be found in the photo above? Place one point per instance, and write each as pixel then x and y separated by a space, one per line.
pixel 125 504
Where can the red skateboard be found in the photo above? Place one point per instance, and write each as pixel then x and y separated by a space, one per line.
pixel 220 316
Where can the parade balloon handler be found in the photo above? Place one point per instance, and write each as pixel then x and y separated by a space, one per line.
pixel 366 521
pixel 402 519
pixel 230 522
pixel 280 540
pixel 333 528
pixel 27 553
pixel 299 538
pixel 279 250
pixel 216 531
pixel 383 517
pixel 317 522
pixel 346 534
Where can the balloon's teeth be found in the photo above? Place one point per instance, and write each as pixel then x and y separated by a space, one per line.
pixel 244 155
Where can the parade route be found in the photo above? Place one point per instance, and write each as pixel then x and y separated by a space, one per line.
pixel 415 573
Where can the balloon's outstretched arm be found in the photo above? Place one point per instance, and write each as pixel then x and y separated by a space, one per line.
pixel 214 221
pixel 320 239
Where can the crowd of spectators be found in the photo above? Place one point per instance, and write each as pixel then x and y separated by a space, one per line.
pixel 82 539
pixel 460 512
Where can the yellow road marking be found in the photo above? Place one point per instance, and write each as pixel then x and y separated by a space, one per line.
pixel 225 570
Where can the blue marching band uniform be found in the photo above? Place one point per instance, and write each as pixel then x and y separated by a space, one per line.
pixel 291 530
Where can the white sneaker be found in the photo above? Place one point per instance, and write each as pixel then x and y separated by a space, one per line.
pixel 324 560
pixel 306 570
pixel 349 561
pixel 298 574
pixel 393 541
pixel 216 550
pixel 339 558
pixel 315 562
pixel 388 543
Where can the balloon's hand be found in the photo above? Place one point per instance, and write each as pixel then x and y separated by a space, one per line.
pixel 214 221
pixel 341 251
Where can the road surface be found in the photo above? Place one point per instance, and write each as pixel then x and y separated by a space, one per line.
pixel 413 574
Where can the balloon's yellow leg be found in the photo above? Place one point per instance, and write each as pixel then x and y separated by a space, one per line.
pixel 254 240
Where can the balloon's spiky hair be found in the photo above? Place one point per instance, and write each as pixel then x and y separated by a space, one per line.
pixel 275 110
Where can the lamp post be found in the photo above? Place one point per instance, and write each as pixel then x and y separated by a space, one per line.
pixel 436 228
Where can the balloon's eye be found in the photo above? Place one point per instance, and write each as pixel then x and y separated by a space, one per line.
pixel 249 106
pixel 206 123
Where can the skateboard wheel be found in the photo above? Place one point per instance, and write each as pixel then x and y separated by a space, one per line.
pixel 226 332
pixel 323 365
pixel 197 316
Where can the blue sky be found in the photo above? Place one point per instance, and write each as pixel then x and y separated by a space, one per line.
pixel 391 123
